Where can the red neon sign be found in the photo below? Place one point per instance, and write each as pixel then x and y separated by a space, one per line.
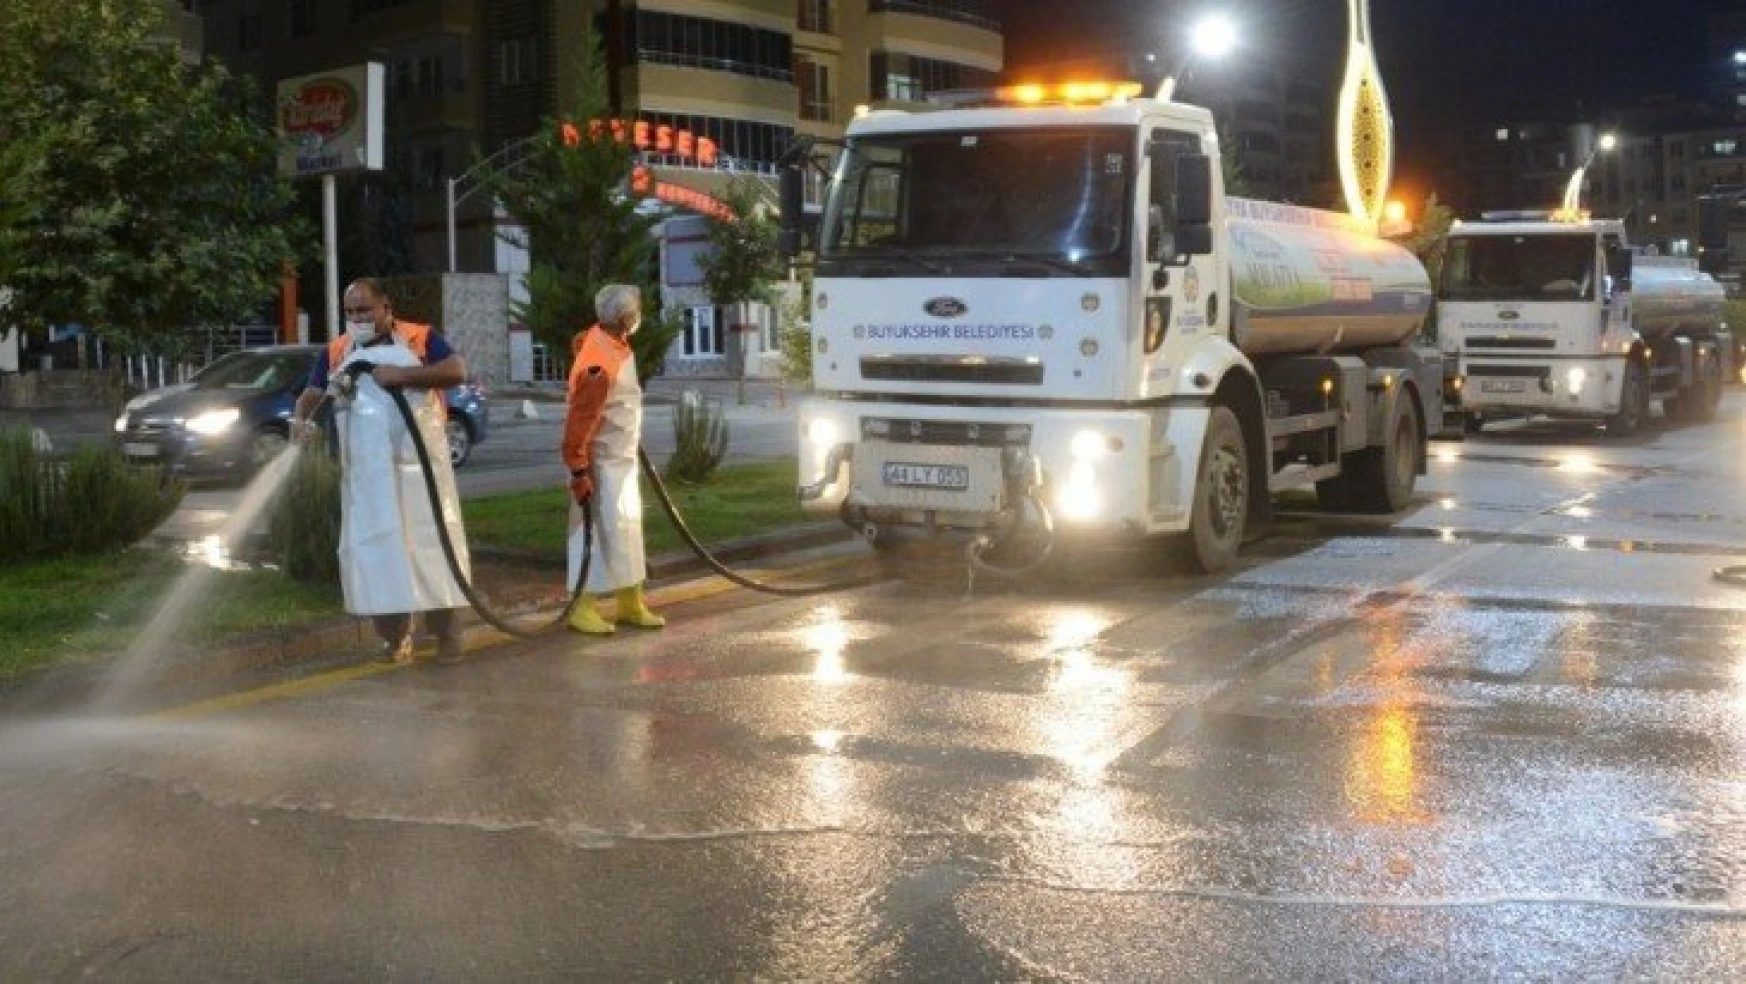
pixel 649 137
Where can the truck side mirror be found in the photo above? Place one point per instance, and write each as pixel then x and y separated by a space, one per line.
pixel 793 202
pixel 1193 189
pixel 1619 267
pixel 1193 235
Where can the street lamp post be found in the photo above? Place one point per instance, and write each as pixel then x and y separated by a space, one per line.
pixel 1572 206
pixel 507 157
pixel 1212 37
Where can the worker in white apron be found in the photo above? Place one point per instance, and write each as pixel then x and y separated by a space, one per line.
pixel 391 558
pixel 602 429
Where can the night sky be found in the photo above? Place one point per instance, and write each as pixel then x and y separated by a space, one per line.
pixel 1444 62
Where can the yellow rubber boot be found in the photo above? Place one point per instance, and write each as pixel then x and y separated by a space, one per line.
pixel 632 610
pixel 586 619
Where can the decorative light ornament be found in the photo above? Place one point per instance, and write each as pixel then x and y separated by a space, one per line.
pixel 1364 130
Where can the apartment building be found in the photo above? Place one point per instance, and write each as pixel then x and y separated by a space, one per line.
pixel 468 78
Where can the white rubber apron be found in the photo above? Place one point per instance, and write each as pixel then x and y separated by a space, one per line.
pixel 391 560
pixel 618 560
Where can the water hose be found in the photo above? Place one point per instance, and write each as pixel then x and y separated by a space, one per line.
pixel 703 554
pixel 479 604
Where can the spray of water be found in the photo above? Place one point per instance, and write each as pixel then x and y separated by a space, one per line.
pixel 150 653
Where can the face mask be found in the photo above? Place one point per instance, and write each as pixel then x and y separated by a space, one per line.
pixel 362 332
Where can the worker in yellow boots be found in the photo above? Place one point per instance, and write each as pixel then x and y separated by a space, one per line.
pixel 601 432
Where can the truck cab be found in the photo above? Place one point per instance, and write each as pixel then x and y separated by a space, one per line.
pixel 1560 317
pixel 1030 318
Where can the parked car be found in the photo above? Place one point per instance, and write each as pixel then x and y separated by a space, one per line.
pixel 234 415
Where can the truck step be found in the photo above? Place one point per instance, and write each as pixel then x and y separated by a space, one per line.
pixel 1298 474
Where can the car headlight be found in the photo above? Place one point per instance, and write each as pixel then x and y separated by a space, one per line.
pixel 823 433
pixel 121 424
pixel 213 421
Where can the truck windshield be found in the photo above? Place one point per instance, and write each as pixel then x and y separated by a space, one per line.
pixel 983 202
pixel 1553 267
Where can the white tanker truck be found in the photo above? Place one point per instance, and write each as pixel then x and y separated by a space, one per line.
pixel 1035 319
pixel 1543 316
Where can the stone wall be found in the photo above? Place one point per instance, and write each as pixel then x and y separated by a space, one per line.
pixel 470 309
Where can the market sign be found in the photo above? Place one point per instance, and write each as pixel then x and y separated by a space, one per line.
pixel 331 122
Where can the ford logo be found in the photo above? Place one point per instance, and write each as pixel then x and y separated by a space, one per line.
pixel 1508 315
pixel 945 307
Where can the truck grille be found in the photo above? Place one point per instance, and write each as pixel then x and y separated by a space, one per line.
pixel 1493 342
pixel 1513 372
pixel 952 369
pixel 958 433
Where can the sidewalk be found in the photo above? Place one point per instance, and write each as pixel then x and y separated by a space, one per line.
pixel 763 399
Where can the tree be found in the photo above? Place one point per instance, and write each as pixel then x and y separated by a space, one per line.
pixel 159 210
pixel 743 255
pixel 1428 240
pixel 569 193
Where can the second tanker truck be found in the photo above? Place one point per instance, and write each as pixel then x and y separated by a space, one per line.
pixel 1542 316
pixel 1041 317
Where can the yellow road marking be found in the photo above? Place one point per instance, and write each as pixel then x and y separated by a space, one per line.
pixel 483 637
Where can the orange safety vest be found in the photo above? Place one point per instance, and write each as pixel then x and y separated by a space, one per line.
pixel 599 358
pixel 408 333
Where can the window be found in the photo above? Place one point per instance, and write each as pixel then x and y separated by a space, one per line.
pixel 702 335
pixel 362 7
pixel 403 77
pixel 1503 135
pixel 906 78
pixel 696 42
pixel 937 200
pixel 814 80
pixel 978 12
pixel 248 32
pixel 740 143
pixel 517 61
pixel 1516 268
pixel 431 173
pixel 815 16
pixel 430 75
pixel 302 18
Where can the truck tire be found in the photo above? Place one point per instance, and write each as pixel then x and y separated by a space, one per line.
pixel 1633 401
pixel 1221 496
pixel 1382 479
pixel 1706 393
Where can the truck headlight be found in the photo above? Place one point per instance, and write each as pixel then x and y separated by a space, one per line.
pixel 823 433
pixel 1079 497
pixel 121 424
pixel 1089 445
pixel 1575 378
pixel 213 421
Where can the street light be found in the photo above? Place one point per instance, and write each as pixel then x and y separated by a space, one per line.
pixel 507 157
pixel 1572 207
pixel 1212 37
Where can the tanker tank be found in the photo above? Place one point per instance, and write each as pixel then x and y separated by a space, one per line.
pixel 1312 281
pixel 1670 294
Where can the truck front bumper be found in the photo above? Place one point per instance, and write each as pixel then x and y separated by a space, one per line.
pixel 1587 387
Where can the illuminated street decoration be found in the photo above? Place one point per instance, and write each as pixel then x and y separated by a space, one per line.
pixel 1365 133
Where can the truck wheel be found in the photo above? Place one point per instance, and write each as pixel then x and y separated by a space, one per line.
pixel 1221 496
pixel 1382 479
pixel 1706 394
pixel 1334 494
pixel 1633 402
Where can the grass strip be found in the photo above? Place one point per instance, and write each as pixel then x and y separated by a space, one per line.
pixel 737 501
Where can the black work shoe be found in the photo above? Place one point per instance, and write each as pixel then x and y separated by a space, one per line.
pixel 398 652
pixel 449 649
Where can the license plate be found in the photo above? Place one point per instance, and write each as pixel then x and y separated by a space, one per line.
pixel 1503 386
pixel 140 450
pixel 917 476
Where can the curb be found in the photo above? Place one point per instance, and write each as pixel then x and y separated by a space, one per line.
pixel 347 640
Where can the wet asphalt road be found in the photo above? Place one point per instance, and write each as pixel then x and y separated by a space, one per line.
pixel 1504 736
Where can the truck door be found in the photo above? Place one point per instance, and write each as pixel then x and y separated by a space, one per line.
pixel 1181 291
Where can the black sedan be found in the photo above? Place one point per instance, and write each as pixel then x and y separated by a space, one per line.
pixel 234 415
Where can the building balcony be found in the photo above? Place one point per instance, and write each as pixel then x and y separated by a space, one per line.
pixel 421 18
pixel 932 37
pixel 978 15
pixel 427 112
pixel 713 91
